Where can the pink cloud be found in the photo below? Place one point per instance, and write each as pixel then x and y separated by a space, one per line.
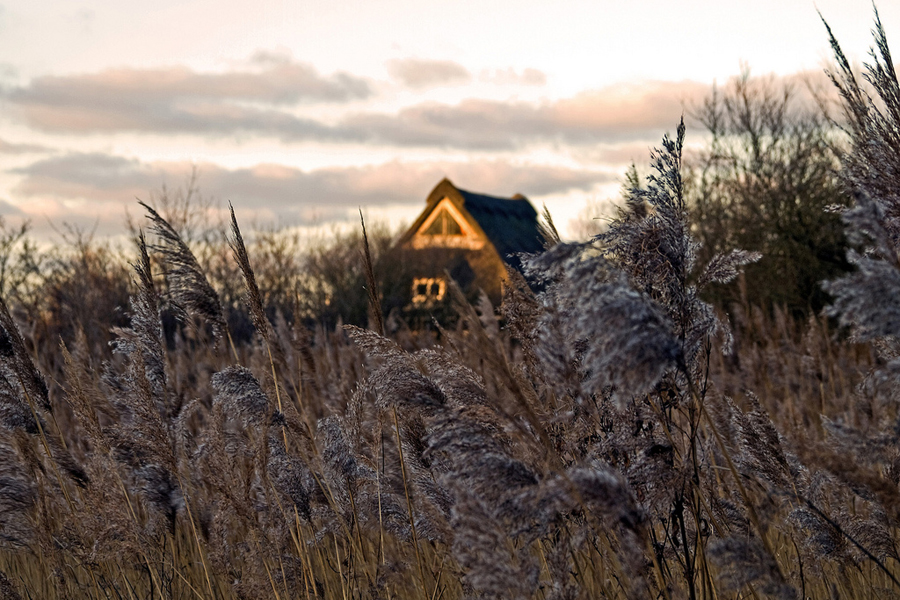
pixel 256 103
pixel 102 185
pixel 419 73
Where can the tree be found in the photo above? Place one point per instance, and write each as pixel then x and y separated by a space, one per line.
pixel 332 286
pixel 765 183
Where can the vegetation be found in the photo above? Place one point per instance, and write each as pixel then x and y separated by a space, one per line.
pixel 606 436
pixel 766 183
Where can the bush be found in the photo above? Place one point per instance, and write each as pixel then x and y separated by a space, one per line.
pixel 765 183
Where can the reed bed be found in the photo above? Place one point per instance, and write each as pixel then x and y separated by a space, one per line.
pixel 604 433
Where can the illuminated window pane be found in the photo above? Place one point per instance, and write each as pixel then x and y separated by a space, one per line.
pixel 453 227
pixel 444 224
pixel 437 226
pixel 428 290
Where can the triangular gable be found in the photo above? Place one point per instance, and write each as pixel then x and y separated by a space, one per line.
pixel 508 225
pixel 445 226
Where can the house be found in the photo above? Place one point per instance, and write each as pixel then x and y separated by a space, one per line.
pixel 472 237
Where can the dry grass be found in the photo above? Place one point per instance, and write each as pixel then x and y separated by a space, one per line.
pixel 515 480
pixel 609 436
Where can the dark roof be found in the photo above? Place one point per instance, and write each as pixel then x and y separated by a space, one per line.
pixel 509 223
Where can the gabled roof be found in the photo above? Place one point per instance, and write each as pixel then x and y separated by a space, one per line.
pixel 510 224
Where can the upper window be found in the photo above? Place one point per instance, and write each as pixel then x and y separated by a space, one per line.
pixel 444 224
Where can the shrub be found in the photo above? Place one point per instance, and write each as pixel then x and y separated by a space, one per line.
pixel 765 182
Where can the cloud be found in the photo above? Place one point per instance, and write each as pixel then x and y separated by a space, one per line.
pixel 102 183
pixel 422 73
pixel 95 176
pixel 614 114
pixel 11 148
pixel 9 210
pixel 510 76
pixel 180 99
pixel 8 72
pixel 618 155
pixel 201 118
pixel 618 111
pixel 259 103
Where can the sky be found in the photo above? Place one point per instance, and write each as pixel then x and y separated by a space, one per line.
pixel 302 113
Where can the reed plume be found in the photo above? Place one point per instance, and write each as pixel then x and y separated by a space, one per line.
pixel 190 291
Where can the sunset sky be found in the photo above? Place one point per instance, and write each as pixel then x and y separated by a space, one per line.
pixel 299 113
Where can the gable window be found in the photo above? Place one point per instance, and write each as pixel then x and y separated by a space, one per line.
pixel 428 290
pixel 444 224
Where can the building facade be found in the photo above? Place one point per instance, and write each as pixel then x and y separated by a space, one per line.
pixel 471 237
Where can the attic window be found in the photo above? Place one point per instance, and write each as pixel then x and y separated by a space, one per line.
pixel 428 290
pixel 444 224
